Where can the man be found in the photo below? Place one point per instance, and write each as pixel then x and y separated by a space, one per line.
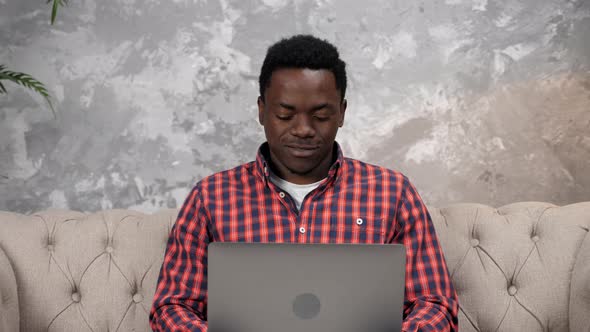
pixel 301 189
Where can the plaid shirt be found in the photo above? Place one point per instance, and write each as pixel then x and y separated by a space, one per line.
pixel 242 204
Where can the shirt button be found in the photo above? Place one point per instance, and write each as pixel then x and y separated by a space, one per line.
pixel 282 194
pixel 302 230
pixel 359 221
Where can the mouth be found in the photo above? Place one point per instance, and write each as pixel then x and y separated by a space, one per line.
pixel 302 151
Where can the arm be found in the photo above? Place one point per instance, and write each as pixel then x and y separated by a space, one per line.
pixel 180 301
pixel 431 302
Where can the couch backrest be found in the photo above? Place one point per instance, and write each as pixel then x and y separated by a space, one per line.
pixel 85 272
pixel 8 296
pixel 522 267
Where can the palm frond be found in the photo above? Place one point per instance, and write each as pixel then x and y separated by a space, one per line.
pixel 27 81
pixel 55 6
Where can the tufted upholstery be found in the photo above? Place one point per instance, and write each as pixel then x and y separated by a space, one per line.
pixel 8 296
pixel 522 267
pixel 78 272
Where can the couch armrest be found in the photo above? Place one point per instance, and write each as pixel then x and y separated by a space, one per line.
pixel 9 314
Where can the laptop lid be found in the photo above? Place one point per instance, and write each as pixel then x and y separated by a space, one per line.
pixel 305 287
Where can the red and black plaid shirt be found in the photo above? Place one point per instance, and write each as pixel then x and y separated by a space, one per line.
pixel 242 204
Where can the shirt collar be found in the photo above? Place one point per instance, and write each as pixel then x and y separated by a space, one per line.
pixel 263 166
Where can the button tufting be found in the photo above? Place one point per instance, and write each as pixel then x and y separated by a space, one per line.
pixel 512 290
pixel 109 249
pixel 137 298
pixel 50 247
pixel 76 297
pixel 474 242
pixel 535 238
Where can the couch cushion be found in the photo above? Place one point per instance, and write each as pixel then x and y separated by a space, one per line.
pixel 512 266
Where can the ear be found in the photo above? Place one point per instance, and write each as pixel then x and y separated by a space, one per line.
pixel 260 103
pixel 343 105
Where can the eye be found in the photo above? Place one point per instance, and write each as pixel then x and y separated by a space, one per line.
pixel 321 117
pixel 284 117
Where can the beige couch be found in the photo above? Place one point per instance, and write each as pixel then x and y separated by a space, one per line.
pixel 522 267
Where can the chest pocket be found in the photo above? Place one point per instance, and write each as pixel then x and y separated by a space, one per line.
pixel 357 229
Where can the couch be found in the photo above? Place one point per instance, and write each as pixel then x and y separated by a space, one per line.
pixel 520 267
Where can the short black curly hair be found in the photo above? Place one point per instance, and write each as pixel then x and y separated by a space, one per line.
pixel 303 51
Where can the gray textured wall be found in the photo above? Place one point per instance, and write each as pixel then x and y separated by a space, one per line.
pixel 475 100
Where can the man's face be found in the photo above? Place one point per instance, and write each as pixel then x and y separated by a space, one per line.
pixel 301 114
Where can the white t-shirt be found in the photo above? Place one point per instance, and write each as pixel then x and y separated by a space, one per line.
pixel 296 191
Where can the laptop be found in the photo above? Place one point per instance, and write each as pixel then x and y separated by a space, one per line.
pixel 283 287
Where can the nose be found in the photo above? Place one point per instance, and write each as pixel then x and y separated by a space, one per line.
pixel 303 126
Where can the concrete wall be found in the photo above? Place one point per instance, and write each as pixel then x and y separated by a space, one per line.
pixel 475 100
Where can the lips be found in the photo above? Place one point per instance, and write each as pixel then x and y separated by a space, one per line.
pixel 302 151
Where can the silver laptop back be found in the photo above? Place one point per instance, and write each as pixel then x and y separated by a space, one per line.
pixel 305 287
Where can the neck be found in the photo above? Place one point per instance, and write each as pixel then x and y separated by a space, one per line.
pixel 316 174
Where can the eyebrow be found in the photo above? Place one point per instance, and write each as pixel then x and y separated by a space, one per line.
pixel 315 108
pixel 320 106
pixel 287 106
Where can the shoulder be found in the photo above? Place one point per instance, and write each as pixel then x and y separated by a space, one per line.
pixel 364 169
pixel 384 179
pixel 223 180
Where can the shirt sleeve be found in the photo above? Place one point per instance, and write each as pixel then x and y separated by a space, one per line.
pixel 430 300
pixel 180 300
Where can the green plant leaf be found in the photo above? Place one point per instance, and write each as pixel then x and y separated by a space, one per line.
pixel 56 4
pixel 2 88
pixel 54 8
pixel 27 81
